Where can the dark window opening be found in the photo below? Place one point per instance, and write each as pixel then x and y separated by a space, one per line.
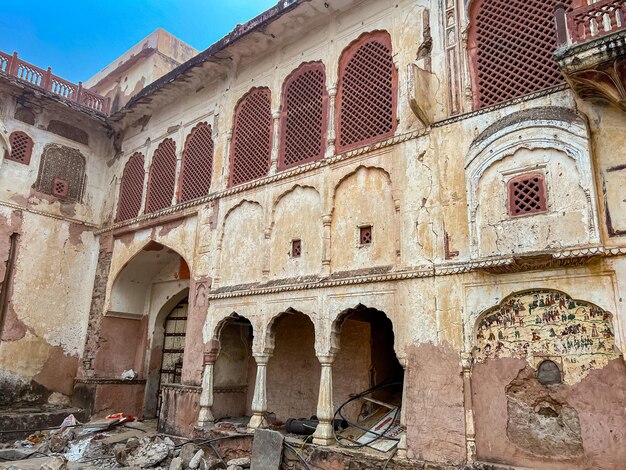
pixel 527 195
pixel 296 248
pixel 549 373
pixel 60 187
pixel 365 235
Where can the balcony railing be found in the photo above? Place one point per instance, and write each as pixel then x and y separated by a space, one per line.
pixel 591 21
pixel 13 66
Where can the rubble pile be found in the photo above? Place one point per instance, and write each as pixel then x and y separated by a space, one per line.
pixel 115 442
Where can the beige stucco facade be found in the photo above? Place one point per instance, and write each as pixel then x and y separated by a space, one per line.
pixel 445 250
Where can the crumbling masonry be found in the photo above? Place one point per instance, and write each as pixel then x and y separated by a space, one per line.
pixel 335 196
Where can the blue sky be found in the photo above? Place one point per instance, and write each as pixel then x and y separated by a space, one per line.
pixel 78 38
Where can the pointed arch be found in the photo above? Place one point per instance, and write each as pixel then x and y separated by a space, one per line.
pixel 197 163
pixel 368 91
pixel 162 177
pixel 131 188
pixel 253 128
pixel 304 116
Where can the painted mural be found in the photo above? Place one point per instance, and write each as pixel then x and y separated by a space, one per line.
pixel 542 323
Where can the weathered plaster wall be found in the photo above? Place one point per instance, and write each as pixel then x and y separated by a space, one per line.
pixel 512 428
pixel 565 224
pixel 293 373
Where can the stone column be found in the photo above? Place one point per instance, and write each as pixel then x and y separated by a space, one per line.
pixel 205 417
pixel 470 432
pixel 331 136
pixel 326 221
pixel 226 162
pixel 275 143
pixel 324 434
pixel 259 401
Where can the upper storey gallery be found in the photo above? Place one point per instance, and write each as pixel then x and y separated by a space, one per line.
pixel 347 82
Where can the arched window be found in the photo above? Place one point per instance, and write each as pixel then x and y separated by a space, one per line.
pixel 367 95
pixel 131 188
pixel 251 148
pixel 197 164
pixel 304 116
pixel 162 177
pixel 511 44
pixel 61 173
pixel 21 148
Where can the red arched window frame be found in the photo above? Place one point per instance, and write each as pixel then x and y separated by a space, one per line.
pixel 162 177
pixel 21 148
pixel 131 188
pixel 197 164
pixel 367 97
pixel 510 46
pixel 251 147
pixel 304 116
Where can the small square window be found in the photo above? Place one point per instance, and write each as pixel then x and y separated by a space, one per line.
pixel 296 248
pixel 527 195
pixel 365 235
pixel 60 187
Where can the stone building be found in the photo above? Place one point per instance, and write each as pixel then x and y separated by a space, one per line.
pixel 336 195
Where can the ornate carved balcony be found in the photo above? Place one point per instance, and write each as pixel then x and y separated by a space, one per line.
pixel 592 52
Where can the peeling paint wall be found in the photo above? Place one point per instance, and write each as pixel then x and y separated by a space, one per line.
pixel 48 294
pixel 445 251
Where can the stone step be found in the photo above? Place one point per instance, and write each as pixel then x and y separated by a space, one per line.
pixel 19 423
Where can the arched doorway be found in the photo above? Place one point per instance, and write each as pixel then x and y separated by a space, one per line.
pixel 173 350
pixel 293 371
pixel 131 336
pixel 234 371
pixel 367 378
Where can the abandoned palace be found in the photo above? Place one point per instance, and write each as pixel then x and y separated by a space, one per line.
pixel 426 198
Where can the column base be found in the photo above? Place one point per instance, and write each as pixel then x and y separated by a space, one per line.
pixel 402 453
pixel 258 421
pixel 324 435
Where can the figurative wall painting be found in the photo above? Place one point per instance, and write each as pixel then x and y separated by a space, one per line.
pixel 547 324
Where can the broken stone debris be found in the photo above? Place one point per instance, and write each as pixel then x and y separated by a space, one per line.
pixel 267 449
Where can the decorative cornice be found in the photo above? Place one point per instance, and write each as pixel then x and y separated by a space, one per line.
pixel 500 265
pixel 309 167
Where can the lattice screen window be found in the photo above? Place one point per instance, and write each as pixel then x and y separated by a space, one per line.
pixel 296 248
pixel 251 148
pixel 367 95
pixel 365 235
pixel 61 173
pixel 197 164
pixel 131 188
pixel 513 42
pixel 162 177
pixel 304 116
pixel 21 148
pixel 527 195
